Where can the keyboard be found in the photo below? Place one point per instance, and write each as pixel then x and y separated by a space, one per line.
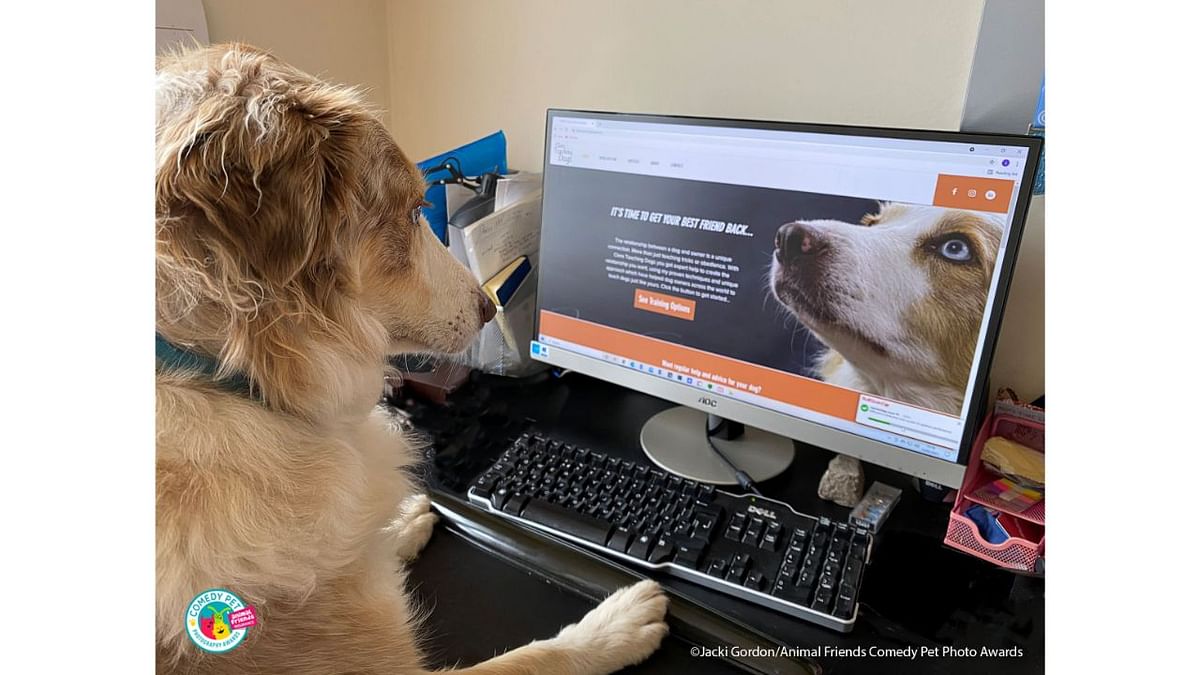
pixel 747 546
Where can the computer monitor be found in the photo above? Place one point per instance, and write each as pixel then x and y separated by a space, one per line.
pixel 840 286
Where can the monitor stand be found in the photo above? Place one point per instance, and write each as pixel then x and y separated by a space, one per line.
pixel 674 439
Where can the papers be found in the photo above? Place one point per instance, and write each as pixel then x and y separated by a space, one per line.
pixel 491 243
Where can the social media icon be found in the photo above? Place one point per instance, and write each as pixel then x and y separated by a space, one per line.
pixel 971 193
pixel 689 380
pixel 989 195
pixel 953 192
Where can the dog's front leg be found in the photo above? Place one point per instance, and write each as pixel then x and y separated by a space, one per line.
pixel 624 630
pixel 412 527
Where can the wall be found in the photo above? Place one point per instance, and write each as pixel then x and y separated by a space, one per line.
pixel 179 22
pixel 345 41
pixel 1006 75
pixel 463 69
pixel 1006 78
pixel 453 71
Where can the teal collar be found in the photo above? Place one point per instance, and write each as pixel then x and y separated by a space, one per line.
pixel 175 358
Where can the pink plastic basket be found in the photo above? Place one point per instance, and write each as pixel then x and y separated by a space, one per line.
pixel 1027 528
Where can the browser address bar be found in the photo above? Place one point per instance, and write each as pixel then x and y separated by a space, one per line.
pixel 678 150
pixel 693 142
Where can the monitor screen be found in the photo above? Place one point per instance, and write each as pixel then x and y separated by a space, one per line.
pixel 833 284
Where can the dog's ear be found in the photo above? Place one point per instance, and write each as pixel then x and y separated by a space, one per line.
pixel 254 161
pixel 873 218
pixel 256 195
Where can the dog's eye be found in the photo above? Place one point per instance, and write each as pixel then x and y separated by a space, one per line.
pixel 955 250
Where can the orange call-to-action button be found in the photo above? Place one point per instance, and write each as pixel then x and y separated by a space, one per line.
pixel 680 308
pixel 973 192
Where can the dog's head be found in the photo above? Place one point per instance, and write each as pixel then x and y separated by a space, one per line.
pixel 900 296
pixel 290 244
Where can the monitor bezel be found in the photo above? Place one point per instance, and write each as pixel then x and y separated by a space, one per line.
pixel 911 462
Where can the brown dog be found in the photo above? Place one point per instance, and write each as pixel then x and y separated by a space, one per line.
pixel 292 258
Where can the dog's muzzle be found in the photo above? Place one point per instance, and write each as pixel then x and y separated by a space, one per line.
pixel 487 310
pixel 799 243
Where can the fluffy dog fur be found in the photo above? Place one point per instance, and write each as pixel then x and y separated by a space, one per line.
pixel 898 299
pixel 290 249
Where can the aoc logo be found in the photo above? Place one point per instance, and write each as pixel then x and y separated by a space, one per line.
pixel 710 402
pixel 217 620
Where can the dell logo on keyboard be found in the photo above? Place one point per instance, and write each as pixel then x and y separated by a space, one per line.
pixel 710 402
pixel 761 512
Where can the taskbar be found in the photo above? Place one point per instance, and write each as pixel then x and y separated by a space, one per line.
pixel 872 409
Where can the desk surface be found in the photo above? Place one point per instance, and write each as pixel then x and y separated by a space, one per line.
pixel 916 592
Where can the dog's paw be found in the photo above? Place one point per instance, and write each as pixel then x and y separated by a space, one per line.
pixel 413 526
pixel 623 630
pixel 413 507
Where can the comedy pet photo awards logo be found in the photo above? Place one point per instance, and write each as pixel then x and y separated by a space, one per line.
pixel 217 620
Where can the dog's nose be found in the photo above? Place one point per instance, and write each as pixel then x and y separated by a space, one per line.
pixel 795 240
pixel 487 310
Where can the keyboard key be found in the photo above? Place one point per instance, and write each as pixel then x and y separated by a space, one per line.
pixel 831 569
pixel 567 521
pixel 515 503
pixel 858 548
pixel 736 524
pixel 717 568
pixel 770 540
pixel 853 573
pixel 799 595
pixel 828 584
pixel 843 607
pixel 736 573
pixel 807 578
pixel 620 539
pixel 662 552
pixel 640 548
pixel 688 556
pixel 755 580
pixel 822 600
pixel 788 572
pixel 753 532
pixel 500 495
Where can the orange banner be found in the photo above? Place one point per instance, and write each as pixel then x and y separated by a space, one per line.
pixel 973 192
pixel 769 383
pixel 661 303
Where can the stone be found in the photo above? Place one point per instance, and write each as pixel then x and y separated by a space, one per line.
pixel 843 481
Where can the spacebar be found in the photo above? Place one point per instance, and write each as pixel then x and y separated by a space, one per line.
pixel 567 521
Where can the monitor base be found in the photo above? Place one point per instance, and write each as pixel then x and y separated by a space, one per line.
pixel 674 439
